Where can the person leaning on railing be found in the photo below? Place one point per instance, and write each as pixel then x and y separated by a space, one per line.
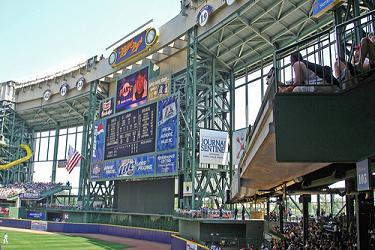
pixel 364 53
pixel 308 75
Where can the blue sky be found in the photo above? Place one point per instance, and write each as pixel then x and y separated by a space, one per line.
pixel 39 36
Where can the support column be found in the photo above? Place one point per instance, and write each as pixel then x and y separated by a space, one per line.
pixel 349 187
pixel 364 207
pixel 281 215
pixel 56 148
pixel 318 205
pixel 331 203
pixel 305 204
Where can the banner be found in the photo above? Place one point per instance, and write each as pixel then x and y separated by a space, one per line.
pixel 99 139
pixel 106 107
pixel 36 215
pixel 188 188
pixel 322 6
pixel 167 124
pixel 138 166
pixel 97 170
pixel 132 90
pixel 61 163
pixel 166 163
pixel 213 147
pixel 39 225
pixel 159 87
pixel 238 145
pixel 4 211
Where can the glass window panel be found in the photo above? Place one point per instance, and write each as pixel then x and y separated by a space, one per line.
pixel 80 129
pixel 42 171
pixel 52 133
pixel 71 142
pixel 72 130
pixel 43 149
pixel 240 108
pixel 51 149
pixel 36 150
pixel 45 133
pixel 63 131
pixel 240 81
pixel 255 100
pixel 62 175
pixel 62 146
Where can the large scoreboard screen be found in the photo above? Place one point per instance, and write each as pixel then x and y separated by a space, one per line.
pixel 138 143
pixel 131 133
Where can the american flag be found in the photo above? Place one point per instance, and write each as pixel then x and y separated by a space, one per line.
pixel 73 159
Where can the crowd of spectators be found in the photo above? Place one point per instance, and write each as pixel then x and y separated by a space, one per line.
pixel 325 233
pixel 30 189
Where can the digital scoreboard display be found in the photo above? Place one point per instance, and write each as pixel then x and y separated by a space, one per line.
pixel 131 133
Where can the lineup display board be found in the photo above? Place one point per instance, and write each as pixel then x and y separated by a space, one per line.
pixel 131 133
pixel 137 144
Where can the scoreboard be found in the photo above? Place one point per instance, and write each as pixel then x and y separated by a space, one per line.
pixel 138 143
pixel 131 133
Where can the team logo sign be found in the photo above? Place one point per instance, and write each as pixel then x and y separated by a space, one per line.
pixel 79 85
pixel 64 89
pixel 230 2
pixel 47 94
pixel 203 15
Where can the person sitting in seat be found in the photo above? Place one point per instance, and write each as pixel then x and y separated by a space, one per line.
pixel 344 72
pixel 366 52
pixel 310 74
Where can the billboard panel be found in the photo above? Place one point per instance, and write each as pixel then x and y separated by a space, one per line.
pixel 213 147
pixel 132 90
pixel 167 123
pixel 131 133
pixel 166 163
pixel 99 139
pixel 238 145
pixel 159 87
pixel 137 166
pixel 106 107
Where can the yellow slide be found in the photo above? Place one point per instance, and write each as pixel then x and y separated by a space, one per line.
pixel 28 155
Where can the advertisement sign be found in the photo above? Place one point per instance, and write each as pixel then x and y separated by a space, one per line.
pixel 36 215
pixel 188 188
pixel 97 170
pixel 167 124
pixel 106 107
pixel 99 139
pixel 133 47
pixel 132 90
pixel 29 196
pixel 238 145
pixel 159 87
pixel 39 225
pixel 138 166
pixel 363 175
pixel 131 133
pixel 213 147
pixel 166 163
pixel 109 170
pixel 322 6
pixel 191 246
pixel 61 163
pixel 4 211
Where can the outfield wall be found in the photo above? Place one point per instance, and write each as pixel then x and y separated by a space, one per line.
pixel 121 231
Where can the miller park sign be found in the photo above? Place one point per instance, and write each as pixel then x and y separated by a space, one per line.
pixel 135 46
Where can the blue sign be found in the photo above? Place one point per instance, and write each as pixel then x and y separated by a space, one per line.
pixel 167 124
pixel 166 163
pixel 97 170
pixel 138 166
pixel 109 170
pixel 99 139
pixel 36 215
pixel 363 175
pixel 322 6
